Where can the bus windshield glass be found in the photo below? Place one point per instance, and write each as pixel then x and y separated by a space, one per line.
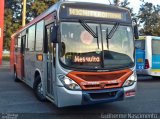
pixel 80 49
pixel 140 44
pixel 155 47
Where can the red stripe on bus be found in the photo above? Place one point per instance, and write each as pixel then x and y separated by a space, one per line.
pixel 100 80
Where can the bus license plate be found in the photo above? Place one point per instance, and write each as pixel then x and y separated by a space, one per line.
pixel 140 60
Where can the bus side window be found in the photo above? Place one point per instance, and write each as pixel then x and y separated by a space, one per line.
pixel 19 43
pixel 31 38
pixel 39 36
pixel 16 44
pixel 23 43
pixel 26 45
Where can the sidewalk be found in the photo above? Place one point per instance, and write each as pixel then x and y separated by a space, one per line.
pixel 5 65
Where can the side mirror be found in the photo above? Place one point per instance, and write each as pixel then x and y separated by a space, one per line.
pixel 53 35
pixel 136 33
pixel 63 47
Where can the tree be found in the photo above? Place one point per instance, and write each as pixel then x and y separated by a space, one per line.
pixel 124 4
pixel 37 7
pixel 116 2
pixel 9 25
pixel 13 15
pixel 149 16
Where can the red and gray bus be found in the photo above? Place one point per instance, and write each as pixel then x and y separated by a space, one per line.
pixel 77 53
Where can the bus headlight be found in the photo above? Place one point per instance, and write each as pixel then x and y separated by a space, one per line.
pixel 69 83
pixel 131 80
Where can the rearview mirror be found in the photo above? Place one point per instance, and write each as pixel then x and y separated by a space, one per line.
pixel 63 47
pixel 136 33
pixel 53 35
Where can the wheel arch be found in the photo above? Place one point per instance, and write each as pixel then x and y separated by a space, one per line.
pixel 37 73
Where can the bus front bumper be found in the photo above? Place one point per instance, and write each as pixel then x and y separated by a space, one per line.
pixel 143 71
pixel 71 98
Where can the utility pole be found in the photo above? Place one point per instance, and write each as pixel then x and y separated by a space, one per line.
pixel 1 28
pixel 24 13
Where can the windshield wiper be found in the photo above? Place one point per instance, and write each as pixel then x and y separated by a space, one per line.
pixel 89 29
pixel 110 34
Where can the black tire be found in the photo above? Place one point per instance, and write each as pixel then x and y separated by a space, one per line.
pixel 155 77
pixel 15 76
pixel 38 89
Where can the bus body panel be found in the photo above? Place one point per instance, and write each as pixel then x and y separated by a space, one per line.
pixel 155 61
pixel 72 98
pixel 19 61
pixel 140 45
pixel 31 65
pixel 50 69
pixel 152 59
pixel 140 59
pixel 155 56
pixel 19 65
pixel 12 61
pixel 67 97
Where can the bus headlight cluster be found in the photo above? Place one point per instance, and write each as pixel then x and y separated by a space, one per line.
pixel 69 83
pixel 131 80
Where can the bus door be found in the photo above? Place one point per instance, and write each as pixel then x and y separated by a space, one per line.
pixel 156 54
pixel 50 63
pixel 23 43
pixel 140 54
pixel 20 56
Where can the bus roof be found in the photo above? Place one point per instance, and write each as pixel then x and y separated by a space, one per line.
pixel 56 7
pixel 146 37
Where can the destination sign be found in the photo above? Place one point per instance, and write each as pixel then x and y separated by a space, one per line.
pixel 94 13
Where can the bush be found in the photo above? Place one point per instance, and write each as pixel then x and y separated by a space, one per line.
pixel 6 58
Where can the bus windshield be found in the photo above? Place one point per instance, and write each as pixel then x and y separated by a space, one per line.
pixel 79 49
pixel 140 44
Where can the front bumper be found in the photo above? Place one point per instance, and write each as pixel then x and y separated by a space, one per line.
pixel 143 71
pixel 71 98
pixel 102 96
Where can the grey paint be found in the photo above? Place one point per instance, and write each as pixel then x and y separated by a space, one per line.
pixel 67 97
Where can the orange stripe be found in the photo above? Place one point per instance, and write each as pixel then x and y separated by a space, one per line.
pixel 100 80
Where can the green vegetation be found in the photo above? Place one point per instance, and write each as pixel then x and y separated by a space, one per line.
pixel 6 58
pixel 13 15
pixel 148 16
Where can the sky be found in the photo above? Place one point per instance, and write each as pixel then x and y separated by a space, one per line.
pixel 135 4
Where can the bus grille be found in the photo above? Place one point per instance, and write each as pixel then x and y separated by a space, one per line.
pixel 98 86
pixel 103 95
pixel 101 77
pixel 100 80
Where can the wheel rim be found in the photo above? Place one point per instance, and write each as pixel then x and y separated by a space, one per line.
pixel 15 75
pixel 40 89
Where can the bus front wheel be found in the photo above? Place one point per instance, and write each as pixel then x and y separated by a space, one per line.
pixel 38 89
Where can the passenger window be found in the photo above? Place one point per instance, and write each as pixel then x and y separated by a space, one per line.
pixel 39 36
pixel 31 38
pixel 16 43
pixel 19 41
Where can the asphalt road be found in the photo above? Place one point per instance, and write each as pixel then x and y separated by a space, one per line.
pixel 18 98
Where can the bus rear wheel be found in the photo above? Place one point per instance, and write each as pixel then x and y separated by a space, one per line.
pixel 15 76
pixel 38 89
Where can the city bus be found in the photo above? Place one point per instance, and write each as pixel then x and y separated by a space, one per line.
pixel 141 62
pixel 77 53
pixel 148 55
